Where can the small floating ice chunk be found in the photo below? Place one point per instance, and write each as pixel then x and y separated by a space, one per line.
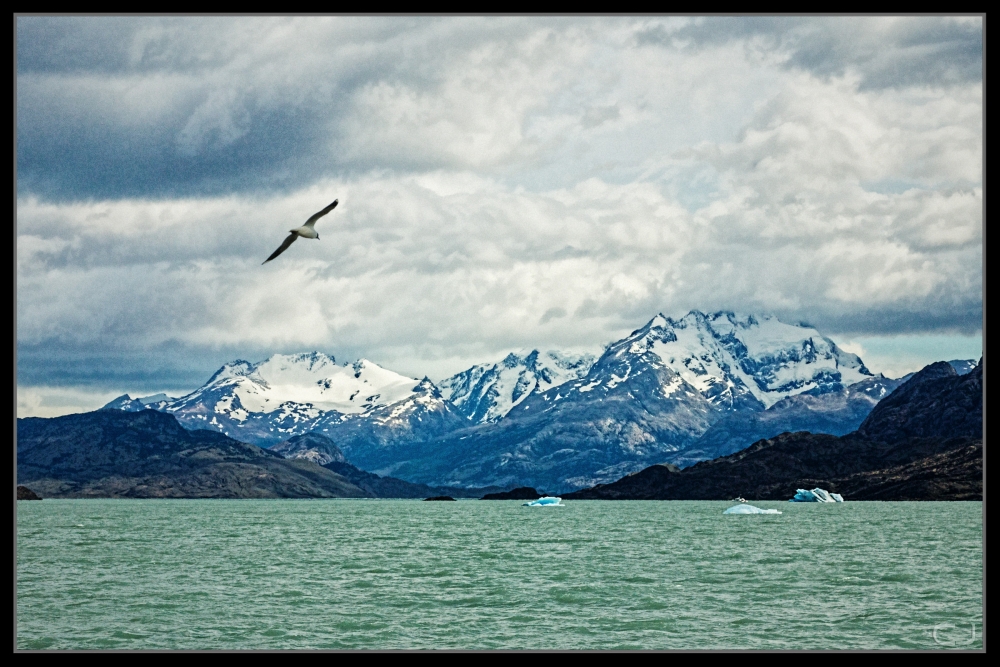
pixel 547 501
pixel 743 508
pixel 816 496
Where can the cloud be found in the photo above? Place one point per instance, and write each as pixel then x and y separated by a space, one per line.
pixel 45 401
pixel 154 107
pixel 885 52
pixel 552 314
pixel 475 271
pixel 504 184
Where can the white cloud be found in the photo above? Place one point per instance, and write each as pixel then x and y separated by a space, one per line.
pixel 503 184
pixel 895 356
pixel 45 401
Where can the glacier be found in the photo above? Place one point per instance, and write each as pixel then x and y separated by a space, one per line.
pixel 816 496
pixel 743 508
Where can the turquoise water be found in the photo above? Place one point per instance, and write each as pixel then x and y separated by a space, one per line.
pixel 397 574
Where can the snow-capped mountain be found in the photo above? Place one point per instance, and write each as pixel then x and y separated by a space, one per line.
pixel 129 404
pixel 649 397
pixel 313 379
pixel 737 361
pixel 382 437
pixel 547 420
pixel 487 392
pixel 286 395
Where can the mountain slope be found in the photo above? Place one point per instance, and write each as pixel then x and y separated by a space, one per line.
pixel 773 469
pixel 147 454
pixel 936 402
pixel 283 395
pixel 310 447
pixel 321 449
pixel 487 392
pixel 833 412
pixel 544 420
pixel 386 436
pixel 901 452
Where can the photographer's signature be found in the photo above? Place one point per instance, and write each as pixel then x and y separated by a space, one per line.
pixel 948 634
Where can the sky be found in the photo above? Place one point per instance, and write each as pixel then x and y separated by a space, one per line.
pixel 505 183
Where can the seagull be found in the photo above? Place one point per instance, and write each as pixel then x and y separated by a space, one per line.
pixel 305 231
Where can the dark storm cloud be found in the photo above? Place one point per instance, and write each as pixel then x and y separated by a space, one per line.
pixel 73 44
pixel 82 158
pixel 962 316
pixel 159 107
pixel 54 363
pixel 109 108
pixel 151 107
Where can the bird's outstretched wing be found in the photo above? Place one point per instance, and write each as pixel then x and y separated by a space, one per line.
pixel 284 246
pixel 316 216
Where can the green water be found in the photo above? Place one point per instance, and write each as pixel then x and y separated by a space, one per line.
pixel 396 574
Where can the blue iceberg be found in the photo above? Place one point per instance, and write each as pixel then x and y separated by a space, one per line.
pixel 748 509
pixel 547 501
pixel 816 496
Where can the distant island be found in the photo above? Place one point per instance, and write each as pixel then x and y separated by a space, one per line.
pixel 24 493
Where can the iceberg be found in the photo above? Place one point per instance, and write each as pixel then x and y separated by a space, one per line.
pixel 816 496
pixel 547 501
pixel 743 508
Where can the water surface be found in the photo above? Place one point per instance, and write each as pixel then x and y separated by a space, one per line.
pixel 398 574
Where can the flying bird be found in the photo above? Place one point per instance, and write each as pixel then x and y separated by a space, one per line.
pixel 307 231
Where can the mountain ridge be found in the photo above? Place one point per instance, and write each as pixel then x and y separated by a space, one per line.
pixel 887 459
pixel 680 390
pixel 148 454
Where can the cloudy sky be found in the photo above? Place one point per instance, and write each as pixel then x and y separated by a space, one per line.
pixel 504 183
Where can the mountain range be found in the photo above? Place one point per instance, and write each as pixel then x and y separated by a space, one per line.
pixel 922 442
pixel 678 391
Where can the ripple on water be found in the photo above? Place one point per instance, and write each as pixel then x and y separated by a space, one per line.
pixel 344 574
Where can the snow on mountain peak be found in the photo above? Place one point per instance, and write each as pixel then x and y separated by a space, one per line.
pixel 725 354
pixel 658 322
pixel 232 369
pixel 312 382
pixel 487 392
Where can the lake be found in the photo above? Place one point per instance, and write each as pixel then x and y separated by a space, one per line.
pixel 403 574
